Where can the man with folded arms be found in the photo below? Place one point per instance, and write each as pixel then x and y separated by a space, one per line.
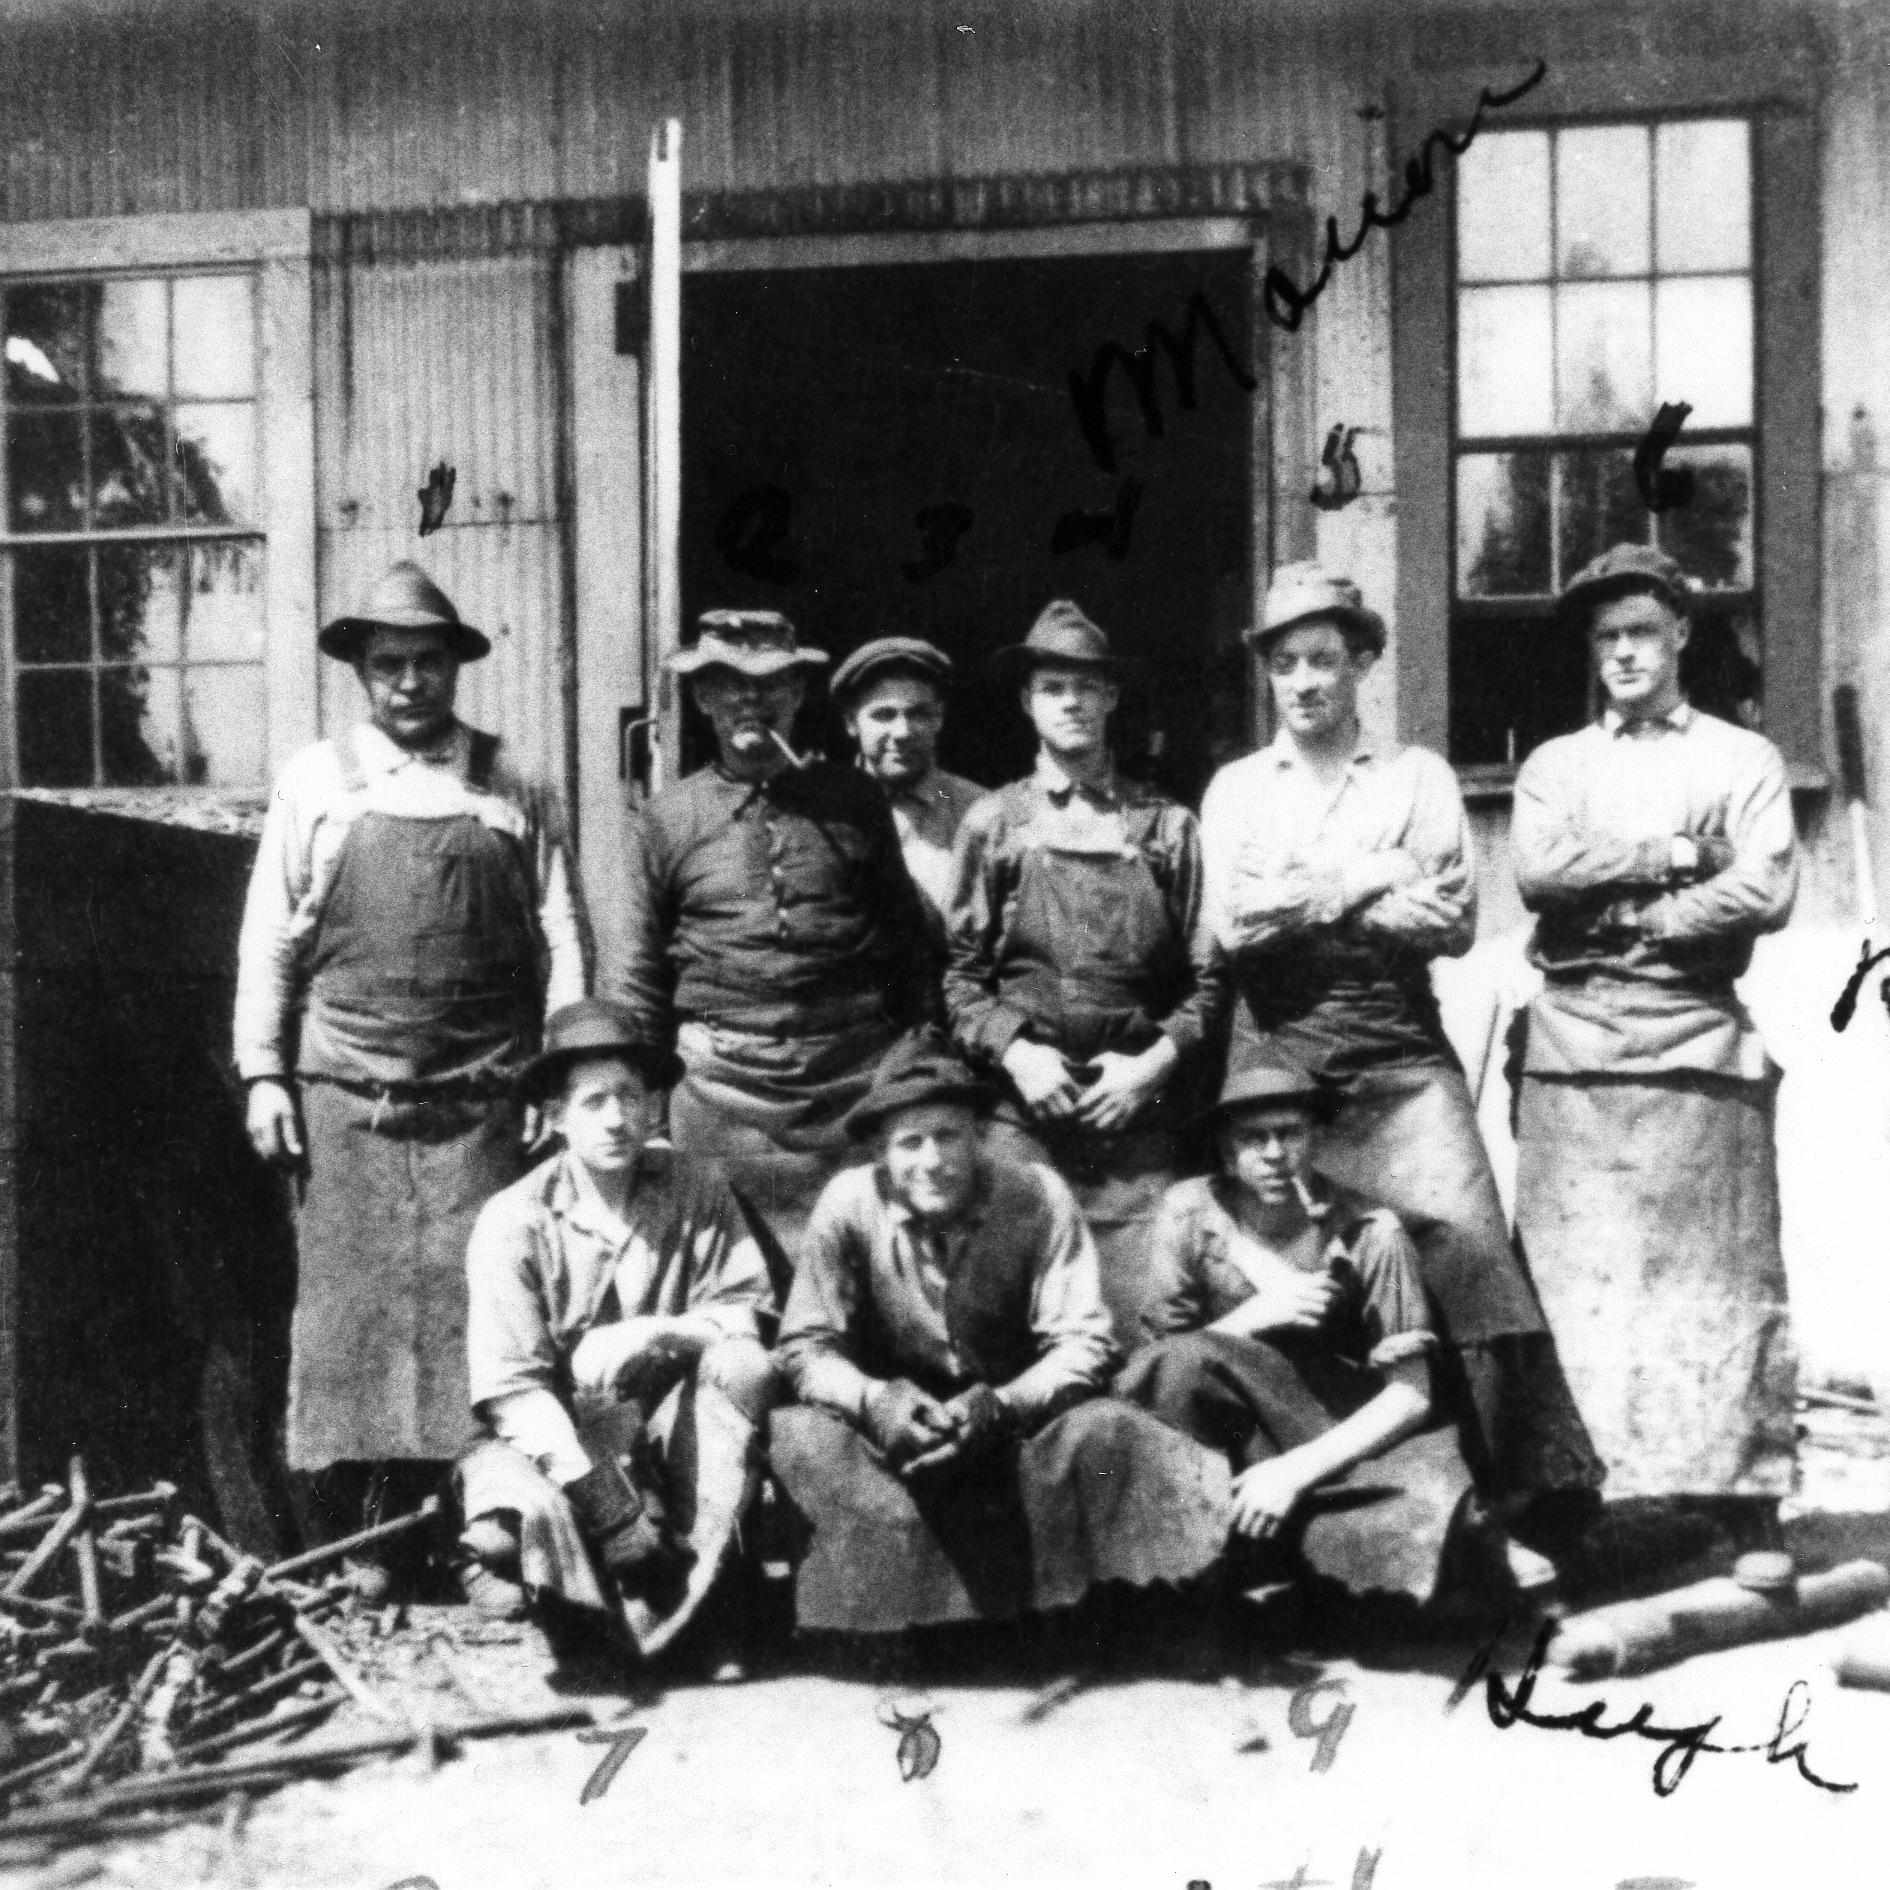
pixel 947 1340
pixel 617 1310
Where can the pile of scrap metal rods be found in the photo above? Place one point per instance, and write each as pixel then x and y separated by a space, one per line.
pixel 137 1648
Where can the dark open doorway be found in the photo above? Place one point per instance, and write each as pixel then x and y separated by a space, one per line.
pixel 826 410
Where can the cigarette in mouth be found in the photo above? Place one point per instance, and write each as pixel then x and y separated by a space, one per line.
pixel 781 742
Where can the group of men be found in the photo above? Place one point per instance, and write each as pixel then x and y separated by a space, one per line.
pixel 1100 1177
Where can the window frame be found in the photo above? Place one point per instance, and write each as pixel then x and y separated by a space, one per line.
pixel 273 246
pixel 1775 98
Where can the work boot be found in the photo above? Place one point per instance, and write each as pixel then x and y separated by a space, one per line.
pixel 628 1531
pixel 485 1570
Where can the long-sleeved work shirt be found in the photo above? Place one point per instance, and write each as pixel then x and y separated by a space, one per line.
pixel 549 1262
pixel 927 815
pixel 303 833
pixel 1639 955
pixel 1009 1296
pixel 1286 858
pixel 780 907
pixel 997 960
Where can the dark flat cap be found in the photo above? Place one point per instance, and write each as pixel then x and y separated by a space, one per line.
pixel 404 598
pixel 920 1068
pixel 594 1028
pixel 884 655
pixel 1623 569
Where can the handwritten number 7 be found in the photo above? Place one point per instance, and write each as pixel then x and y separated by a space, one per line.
pixel 622 1745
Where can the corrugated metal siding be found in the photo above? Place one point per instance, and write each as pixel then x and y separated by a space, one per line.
pixel 418 362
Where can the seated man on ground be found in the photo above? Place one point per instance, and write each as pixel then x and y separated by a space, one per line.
pixel 618 1307
pixel 947 1339
pixel 1288 1328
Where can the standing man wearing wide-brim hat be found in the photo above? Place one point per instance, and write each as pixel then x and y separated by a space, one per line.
pixel 1338 869
pixel 412 914
pixel 1083 972
pixel 1654 847
pixel 773 936
pixel 891 696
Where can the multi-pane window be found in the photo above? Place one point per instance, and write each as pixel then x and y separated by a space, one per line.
pixel 133 540
pixel 1601 271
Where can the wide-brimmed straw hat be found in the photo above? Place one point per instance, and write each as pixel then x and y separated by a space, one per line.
pixel 758 643
pixel 890 656
pixel 404 598
pixel 1619 571
pixel 1273 1082
pixel 919 1068
pixel 1062 636
pixel 593 1027
pixel 1300 593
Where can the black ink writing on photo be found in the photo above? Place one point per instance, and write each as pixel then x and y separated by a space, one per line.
pixel 1655 1883
pixel 1339 480
pixel 1089 393
pixel 414 1883
pixel 1662 488
pixel 436 497
pixel 750 532
pixel 1680 1745
pixel 1109 528
pixel 1286 302
pixel 1846 1007
pixel 623 1741
pixel 1364 1872
pixel 940 528
pixel 1328 1731
pixel 919 1748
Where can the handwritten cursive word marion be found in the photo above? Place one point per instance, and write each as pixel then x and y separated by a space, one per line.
pixel 1680 1745
pixel 1286 302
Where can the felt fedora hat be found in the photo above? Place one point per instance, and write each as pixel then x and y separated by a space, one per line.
pixel 1619 571
pixel 758 643
pixel 404 598
pixel 1270 1082
pixel 1300 593
pixel 920 1068
pixel 1062 636
pixel 890 656
pixel 594 1028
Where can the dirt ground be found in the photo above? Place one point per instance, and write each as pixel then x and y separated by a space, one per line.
pixel 1143 1779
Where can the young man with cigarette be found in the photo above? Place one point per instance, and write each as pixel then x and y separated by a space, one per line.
pixel 773 937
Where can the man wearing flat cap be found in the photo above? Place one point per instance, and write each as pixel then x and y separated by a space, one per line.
pixel 891 695
pixel 774 938
pixel 412 914
pixel 1338 868
pixel 618 1305
pixel 1083 972
pixel 1654 846
pixel 947 1340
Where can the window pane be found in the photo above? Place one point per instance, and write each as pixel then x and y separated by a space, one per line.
pixel 45 472
pixel 55 707
pixel 52 606
pixel 45 343
pixel 1703 335
pixel 216 463
pixel 1722 668
pixel 138 615
pixel 1503 361
pixel 223 610
pixel 131 338
pixel 1703 194
pixel 1512 685
pixel 1503 524
pixel 1710 537
pixel 1599 506
pixel 1603 364
pixel 136 710
pixel 128 452
pixel 223 727
pixel 1503 208
pixel 1602 202
pixel 214 336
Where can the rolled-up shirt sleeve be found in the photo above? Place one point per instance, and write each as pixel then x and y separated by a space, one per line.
pixel 1396 1315
pixel 1076 1352
pixel 1437 837
pixel 824 1306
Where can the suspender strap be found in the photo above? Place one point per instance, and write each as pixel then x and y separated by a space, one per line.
pixel 483 760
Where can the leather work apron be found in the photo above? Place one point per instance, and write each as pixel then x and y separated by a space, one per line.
pixel 1093 953
pixel 423 1001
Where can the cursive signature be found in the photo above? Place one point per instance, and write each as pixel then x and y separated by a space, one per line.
pixel 1679 1745
pixel 1286 302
